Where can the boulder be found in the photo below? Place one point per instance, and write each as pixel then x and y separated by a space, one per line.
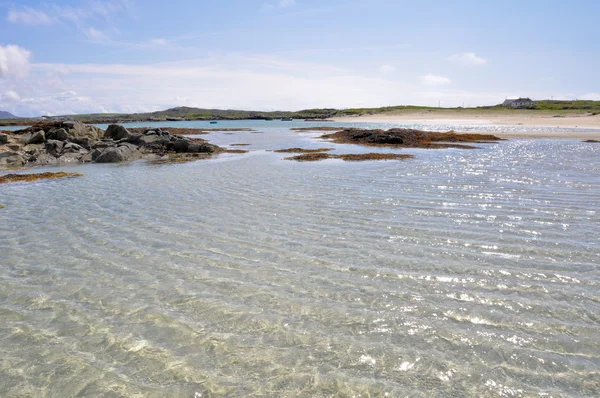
pixel 11 159
pixel 79 130
pixel 116 132
pixel 33 148
pixel 54 147
pixel 71 147
pixel 37 138
pixel 3 139
pixel 85 142
pixel 200 148
pixel 181 145
pixel 154 138
pixel 90 156
pixel 119 154
pixel 24 138
pixel 72 157
pixel 58 134
pixel 45 158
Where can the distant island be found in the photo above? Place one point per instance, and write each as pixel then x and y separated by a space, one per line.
pixel 183 113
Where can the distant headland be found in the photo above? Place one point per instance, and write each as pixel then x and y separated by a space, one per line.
pixel 520 106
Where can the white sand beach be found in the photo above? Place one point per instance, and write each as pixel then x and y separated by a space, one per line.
pixel 575 122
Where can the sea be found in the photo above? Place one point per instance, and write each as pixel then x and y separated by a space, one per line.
pixel 458 273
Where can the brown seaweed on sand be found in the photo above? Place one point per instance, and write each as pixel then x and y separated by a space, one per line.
pixel 36 177
pixel 302 150
pixel 353 157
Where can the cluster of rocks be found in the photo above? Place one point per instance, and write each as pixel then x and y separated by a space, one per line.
pixel 68 142
pixel 409 138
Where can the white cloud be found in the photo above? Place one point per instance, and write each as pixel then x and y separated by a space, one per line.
pixel 434 80
pixel 30 16
pixel 14 61
pixel 468 59
pixel 286 3
pixel 278 4
pixel 386 68
pixel 82 17
pixel 159 42
pixel 95 34
pixel 10 96
pixel 591 97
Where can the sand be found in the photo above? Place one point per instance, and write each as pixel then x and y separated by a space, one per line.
pixel 574 122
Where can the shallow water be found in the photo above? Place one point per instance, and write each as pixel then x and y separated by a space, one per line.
pixel 457 273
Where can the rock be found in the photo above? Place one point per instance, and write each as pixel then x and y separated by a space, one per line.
pixel 72 157
pixel 85 142
pixel 118 154
pixel 134 138
pixel 54 147
pixel 46 158
pixel 150 139
pixel 71 147
pixel 37 138
pixel 11 159
pixel 3 138
pixel 79 130
pixel 200 148
pixel 24 138
pixel 181 145
pixel 58 134
pixel 110 155
pixel 90 156
pixel 117 132
pixel 33 148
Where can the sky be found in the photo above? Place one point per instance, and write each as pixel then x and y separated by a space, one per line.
pixel 90 56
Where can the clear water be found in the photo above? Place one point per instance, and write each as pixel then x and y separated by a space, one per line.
pixel 457 273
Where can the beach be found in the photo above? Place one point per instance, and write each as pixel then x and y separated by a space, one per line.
pixel 581 124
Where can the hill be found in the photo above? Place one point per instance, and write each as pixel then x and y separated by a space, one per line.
pixel 6 115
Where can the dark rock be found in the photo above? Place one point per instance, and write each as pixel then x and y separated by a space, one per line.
pixel 58 134
pixel 181 145
pixel 85 142
pixel 3 138
pixel 71 147
pixel 117 132
pixel 149 139
pixel 37 138
pixel 54 147
pixel 200 148
pixel 118 154
pixel 134 138
pixel 45 158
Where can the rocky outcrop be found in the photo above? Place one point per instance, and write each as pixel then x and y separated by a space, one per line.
pixel 408 138
pixel 70 142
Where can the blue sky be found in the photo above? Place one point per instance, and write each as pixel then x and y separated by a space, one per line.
pixel 81 56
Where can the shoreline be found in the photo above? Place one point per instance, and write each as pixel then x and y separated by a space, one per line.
pixel 575 122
